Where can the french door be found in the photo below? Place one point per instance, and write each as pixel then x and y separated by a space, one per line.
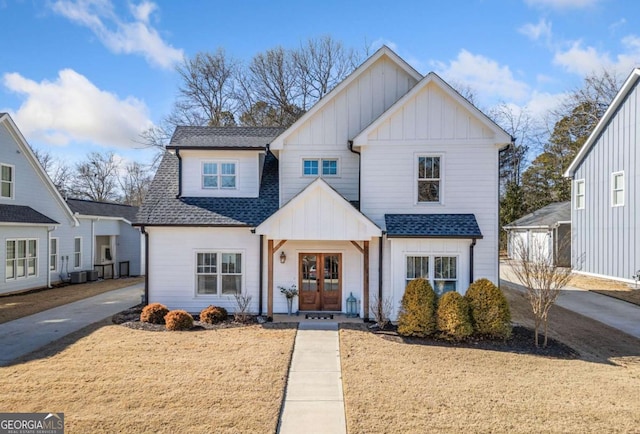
pixel 320 281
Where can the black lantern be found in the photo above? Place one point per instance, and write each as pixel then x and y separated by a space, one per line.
pixel 352 306
pixel 283 257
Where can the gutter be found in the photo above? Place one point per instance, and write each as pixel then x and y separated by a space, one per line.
pixel 350 146
pixel 146 265
pixel 179 173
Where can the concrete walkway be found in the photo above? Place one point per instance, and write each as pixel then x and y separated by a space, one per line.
pixel 24 335
pixel 615 313
pixel 314 402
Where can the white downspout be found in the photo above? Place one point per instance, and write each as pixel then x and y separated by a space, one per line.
pixel 93 244
pixel 48 260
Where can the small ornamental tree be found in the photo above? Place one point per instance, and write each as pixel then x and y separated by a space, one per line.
pixel 453 316
pixel 418 308
pixel 489 309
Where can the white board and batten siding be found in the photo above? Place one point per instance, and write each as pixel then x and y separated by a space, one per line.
pixel 327 132
pixel 247 173
pixel 173 255
pixel 606 238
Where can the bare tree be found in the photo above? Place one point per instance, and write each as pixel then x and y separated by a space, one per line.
pixel 381 309
pixel 135 182
pixel 59 173
pixel 534 266
pixel 96 178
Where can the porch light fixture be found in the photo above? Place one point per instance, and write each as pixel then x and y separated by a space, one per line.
pixel 352 306
pixel 283 258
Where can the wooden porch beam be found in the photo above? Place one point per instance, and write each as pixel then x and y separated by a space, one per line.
pixel 365 284
pixel 357 246
pixel 277 247
pixel 270 278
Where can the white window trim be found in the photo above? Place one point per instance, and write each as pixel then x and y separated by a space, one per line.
pixel 12 182
pixel 583 195
pixel 432 267
pixel 77 253
pixel 320 160
pixel 416 159
pixel 52 254
pixel 26 259
pixel 219 253
pixel 219 175
pixel 613 189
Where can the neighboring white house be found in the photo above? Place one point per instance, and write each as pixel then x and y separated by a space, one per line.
pixel 389 177
pixel 605 174
pixel 42 239
pixel 545 232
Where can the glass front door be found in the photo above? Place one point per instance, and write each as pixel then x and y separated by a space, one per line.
pixel 320 281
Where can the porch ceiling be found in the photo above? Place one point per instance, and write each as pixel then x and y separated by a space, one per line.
pixel 318 213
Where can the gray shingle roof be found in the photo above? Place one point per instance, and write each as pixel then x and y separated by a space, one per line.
pixel 161 207
pixel 223 137
pixel 23 214
pixel 106 209
pixel 432 226
pixel 546 216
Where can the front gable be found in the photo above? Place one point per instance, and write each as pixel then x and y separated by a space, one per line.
pixel 432 112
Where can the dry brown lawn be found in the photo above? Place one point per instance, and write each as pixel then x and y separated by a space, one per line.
pixel 393 387
pixel 109 378
pixel 612 288
pixel 23 304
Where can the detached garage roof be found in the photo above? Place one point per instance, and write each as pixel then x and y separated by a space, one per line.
pixel 545 217
pixel 432 226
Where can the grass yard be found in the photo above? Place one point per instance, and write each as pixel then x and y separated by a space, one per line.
pixel 392 387
pixel 109 378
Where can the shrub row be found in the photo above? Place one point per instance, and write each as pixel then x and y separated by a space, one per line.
pixel 156 313
pixel 483 310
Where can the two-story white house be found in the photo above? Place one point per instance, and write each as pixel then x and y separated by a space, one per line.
pixel 391 176
pixel 44 237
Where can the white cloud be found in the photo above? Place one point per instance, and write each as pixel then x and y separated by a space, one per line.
pixel 541 103
pixel 486 76
pixel 72 109
pixel 535 32
pixel 583 60
pixel 562 4
pixel 120 36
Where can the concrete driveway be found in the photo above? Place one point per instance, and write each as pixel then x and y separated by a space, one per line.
pixel 615 313
pixel 24 335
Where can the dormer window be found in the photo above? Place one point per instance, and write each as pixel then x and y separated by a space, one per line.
pixel 219 175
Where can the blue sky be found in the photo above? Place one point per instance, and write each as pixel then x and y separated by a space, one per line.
pixel 84 75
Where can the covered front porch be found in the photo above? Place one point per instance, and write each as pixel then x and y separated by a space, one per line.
pixel 321 245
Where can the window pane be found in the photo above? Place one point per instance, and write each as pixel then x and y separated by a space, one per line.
pixel 6 173
pixel 231 284
pixel 207 284
pixel 618 181
pixel 228 168
pixel 11 249
pixel 436 167
pixel 6 189
pixel 31 266
pixel 77 245
pixel 329 167
pixel 210 181
pixel 428 191
pixel 310 167
pixel 32 248
pixel 22 249
pixel 9 271
pixel 618 197
pixel 210 169
pixel 207 263
pixel 228 181
pixel 417 266
pixel 76 261
pixel 21 267
pixel 231 263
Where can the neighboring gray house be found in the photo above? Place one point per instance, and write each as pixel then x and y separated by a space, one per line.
pixel 116 246
pixel 606 191
pixel 547 231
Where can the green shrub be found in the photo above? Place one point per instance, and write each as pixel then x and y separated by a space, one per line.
pixel 154 313
pixel 489 309
pixel 213 314
pixel 178 320
pixel 453 316
pixel 418 308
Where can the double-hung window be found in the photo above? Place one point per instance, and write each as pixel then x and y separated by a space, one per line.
pixel 77 252
pixel 219 175
pixel 53 254
pixel 21 259
pixel 578 187
pixel 440 271
pixel 429 179
pixel 218 273
pixel 617 189
pixel 320 166
pixel 6 181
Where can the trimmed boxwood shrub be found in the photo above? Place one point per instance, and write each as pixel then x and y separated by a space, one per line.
pixel 213 314
pixel 154 313
pixel 418 308
pixel 178 320
pixel 489 309
pixel 453 316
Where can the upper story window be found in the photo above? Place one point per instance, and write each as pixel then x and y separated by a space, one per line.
pixel 217 174
pixel 6 181
pixel 320 166
pixel 429 179
pixel 579 193
pixel 617 189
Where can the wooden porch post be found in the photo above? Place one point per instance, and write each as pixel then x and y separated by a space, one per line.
pixel 365 284
pixel 270 278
